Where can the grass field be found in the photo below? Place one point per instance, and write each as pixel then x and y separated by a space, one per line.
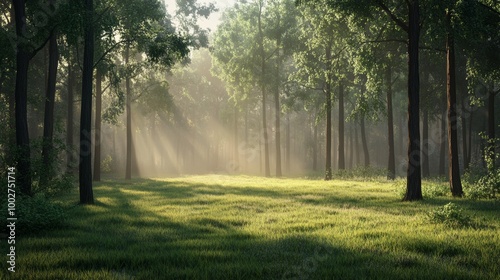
pixel 240 227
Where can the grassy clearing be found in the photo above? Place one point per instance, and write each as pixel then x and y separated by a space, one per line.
pixel 240 227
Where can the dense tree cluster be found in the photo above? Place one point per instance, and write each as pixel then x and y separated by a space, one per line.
pixel 282 86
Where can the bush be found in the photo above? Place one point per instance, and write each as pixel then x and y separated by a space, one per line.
pixel 488 186
pixel 451 216
pixel 34 214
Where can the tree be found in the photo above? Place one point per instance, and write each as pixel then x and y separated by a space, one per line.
pixel 453 166
pixel 85 167
pixel 21 98
pixel 48 123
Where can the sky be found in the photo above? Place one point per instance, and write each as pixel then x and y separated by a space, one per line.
pixel 214 19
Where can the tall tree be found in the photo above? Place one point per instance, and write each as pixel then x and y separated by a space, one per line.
pixel 453 166
pixel 85 169
pixel 21 98
pixel 48 123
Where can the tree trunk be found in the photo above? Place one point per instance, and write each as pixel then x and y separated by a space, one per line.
pixel 351 146
pixel 287 152
pixel 236 155
pixel 85 175
pixel 277 109
pixel 128 168
pixel 48 121
pixel 453 166
pixel 341 128
pixel 315 144
pixel 442 149
pixel 328 92
pixel 391 165
pixel 425 144
pixel 263 91
pixel 491 125
pixel 356 144
pixel 70 119
pixel 97 134
pixel 413 174
pixel 21 98
pixel 364 141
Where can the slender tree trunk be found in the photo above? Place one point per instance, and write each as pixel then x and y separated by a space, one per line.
pixel 453 166
pixel 462 84
pixel 236 155
pixel 391 165
pixel 287 152
pixel 341 128
pixel 315 145
pixel 70 119
pixel 442 149
pixel 351 146
pixel 247 157
pixel 263 91
pixel 21 98
pixel 48 122
pixel 356 145
pixel 328 92
pixel 97 134
pixel 364 141
pixel 128 169
pixel 85 175
pixel 491 124
pixel 277 109
pixel 464 137
pixel 413 174
pixel 425 144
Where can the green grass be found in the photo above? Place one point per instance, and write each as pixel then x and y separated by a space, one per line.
pixel 240 227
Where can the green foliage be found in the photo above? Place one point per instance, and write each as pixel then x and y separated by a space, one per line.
pixel 35 214
pixel 487 186
pixel 484 183
pixel 451 216
pixel 106 164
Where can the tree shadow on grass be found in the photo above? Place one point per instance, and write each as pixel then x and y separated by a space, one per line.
pixel 125 241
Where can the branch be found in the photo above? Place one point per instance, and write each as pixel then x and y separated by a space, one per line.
pixel 397 20
pixel 109 50
pixel 491 9
pixel 35 51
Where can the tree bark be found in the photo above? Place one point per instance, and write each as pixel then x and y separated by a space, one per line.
pixel 128 168
pixel 48 121
pixel 328 92
pixel 85 175
pixel 70 119
pixel 391 165
pixel 21 99
pixel 341 128
pixel 453 166
pixel 425 144
pixel 442 149
pixel 277 109
pixel 97 134
pixel 413 173
pixel 287 152
pixel 236 155
pixel 364 141
pixel 491 125
pixel 263 91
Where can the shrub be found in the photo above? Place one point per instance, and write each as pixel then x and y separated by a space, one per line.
pixel 450 215
pixel 34 214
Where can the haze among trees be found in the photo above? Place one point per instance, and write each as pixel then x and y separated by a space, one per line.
pixel 400 91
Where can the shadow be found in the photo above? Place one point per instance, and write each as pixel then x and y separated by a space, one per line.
pixel 132 232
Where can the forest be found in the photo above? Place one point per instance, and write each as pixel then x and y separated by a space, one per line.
pixel 250 139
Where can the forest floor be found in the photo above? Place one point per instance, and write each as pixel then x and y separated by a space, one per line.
pixel 243 227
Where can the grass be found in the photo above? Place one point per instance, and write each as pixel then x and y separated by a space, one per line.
pixel 241 227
